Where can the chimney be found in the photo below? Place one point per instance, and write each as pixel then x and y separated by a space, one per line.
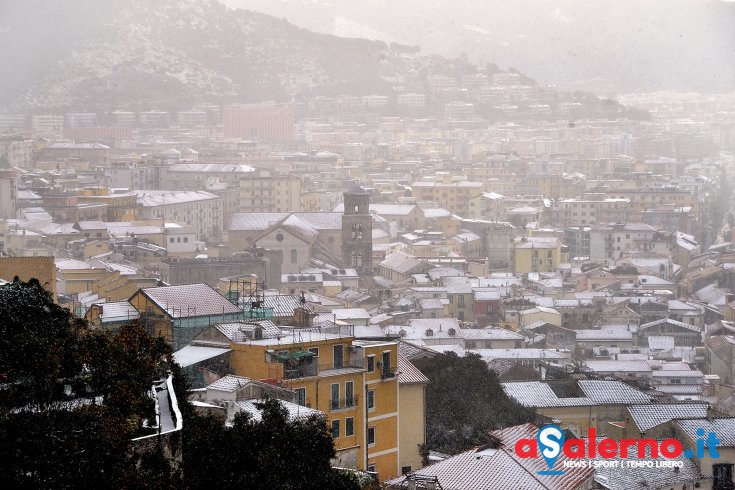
pixel 710 413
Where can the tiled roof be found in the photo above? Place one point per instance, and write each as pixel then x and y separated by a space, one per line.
pixel 680 389
pixel 605 333
pixel 411 351
pixel 572 477
pixel 648 416
pixel 153 198
pixel 262 221
pixel 724 428
pixel 543 354
pixel 295 412
pixel 669 321
pixel 254 221
pixel 400 262
pixel 351 313
pixel 190 300
pixel 618 366
pixel 229 383
pixel 671 373
pixel 622 478
pixel 282 304
pixel 488 469
pixel 536 394
pixel 408 374
pixel 210 167
pixel 493 333
pixel 615 392
pixel 235 331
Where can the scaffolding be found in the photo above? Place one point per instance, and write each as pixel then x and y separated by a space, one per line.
pixel 249 293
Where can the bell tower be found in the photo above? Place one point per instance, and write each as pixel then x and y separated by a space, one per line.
pixel 357 231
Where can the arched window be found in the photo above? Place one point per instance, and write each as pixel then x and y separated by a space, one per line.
pixel 359 232
pixel 294 256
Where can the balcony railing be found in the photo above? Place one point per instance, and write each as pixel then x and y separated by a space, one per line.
pixel 387 372
pixel 343 403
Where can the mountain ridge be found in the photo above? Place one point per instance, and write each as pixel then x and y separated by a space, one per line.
pixel 624 46
pixel 175 53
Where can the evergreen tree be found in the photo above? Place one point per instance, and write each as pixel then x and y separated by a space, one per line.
pixel 464 401
pixel 52 367
pixel 274 453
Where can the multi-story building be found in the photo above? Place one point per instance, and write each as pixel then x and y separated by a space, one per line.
pixel 123 119
pixel 259 121
pixel 451 193
pixel 8 193
pixel 201 210
pixel 81 119
pixel 590 210
pixel 49 126
pixel 611 242
pixel 90 152
pixel 537 254
pixel 264 191
pixel 133 174
pixel 13 123
pixel 194 176
pixel 352 381
pixel 16 150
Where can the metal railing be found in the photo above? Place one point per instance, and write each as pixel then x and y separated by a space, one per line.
pixel 343 403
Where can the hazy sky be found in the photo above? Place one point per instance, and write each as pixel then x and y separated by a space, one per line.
pixel 626 45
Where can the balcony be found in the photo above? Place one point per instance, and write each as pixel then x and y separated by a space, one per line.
pixel 343 403
pixel 387 373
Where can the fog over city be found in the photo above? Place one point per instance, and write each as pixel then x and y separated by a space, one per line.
pixel 367 244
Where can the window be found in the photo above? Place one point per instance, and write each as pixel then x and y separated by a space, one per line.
pixel 171 240
pixel 349 394
pixel 371 364
pixel 300 396
pixel 335 428
pixel 722 475
pixel 371 399
pixel 386 364
pixel 676 381
pixel 338 356
pixel 405 470
pixel 315 350
pixel 186 239
pixel 460 301
pixel 335 396
pixel 349 426
pixel 371 436
pixel 469 344
pixel 294 256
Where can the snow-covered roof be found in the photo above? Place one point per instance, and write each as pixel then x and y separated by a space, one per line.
pixel 192 354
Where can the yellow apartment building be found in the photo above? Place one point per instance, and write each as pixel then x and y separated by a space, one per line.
pixel 353 382
pixel 537 254
pixel 454 194
pixel 412 415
